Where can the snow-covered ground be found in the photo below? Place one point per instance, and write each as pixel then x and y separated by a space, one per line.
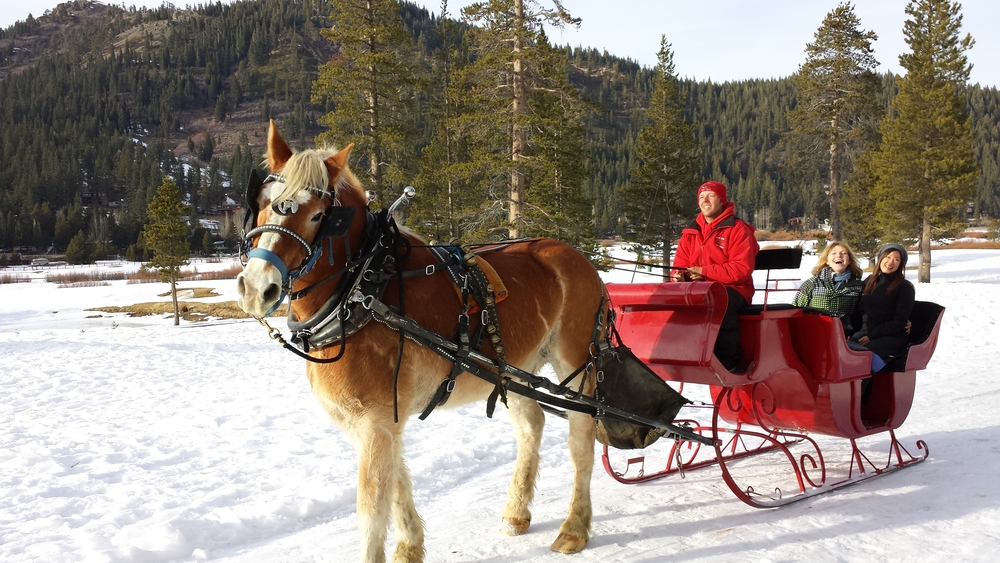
pixel 129 439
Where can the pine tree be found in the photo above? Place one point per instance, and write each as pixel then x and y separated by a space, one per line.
pixel 556 205
pixel 837 101
pixel 507 66
pixel 207 244
pixel 79 250
pixel 925 168
pixel 69 221
pixel 371 83
pixel 861 227
pixel 665 170
pixel 444 183
pixel 166 235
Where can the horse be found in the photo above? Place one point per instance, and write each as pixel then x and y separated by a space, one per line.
pixel 377 382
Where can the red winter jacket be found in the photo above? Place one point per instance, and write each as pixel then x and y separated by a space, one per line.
pixel 725 249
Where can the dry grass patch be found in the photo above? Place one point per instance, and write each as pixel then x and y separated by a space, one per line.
pixel 14 278
pixel 192 293
pixel 968 245
pixel 145 275
pixel 229 273
pixel 189 310
pixel 83 284
pixel 773 247
pixel 68 279
pixel 762 235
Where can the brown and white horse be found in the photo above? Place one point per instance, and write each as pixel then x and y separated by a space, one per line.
pixel 548 318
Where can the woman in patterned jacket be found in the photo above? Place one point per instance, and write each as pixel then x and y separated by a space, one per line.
pixel 835 286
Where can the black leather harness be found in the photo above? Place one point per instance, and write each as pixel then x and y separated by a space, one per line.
pixel 357 299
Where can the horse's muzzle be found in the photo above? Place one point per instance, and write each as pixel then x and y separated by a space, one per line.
pixel 258 293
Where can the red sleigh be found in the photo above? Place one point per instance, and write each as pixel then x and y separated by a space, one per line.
pixel 801 382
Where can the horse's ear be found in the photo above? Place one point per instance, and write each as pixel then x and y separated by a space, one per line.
pixel 278 152
pixel 339 161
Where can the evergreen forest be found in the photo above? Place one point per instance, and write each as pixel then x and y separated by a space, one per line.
pixel 101 103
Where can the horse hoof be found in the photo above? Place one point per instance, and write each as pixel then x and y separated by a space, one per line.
pixel 408 554
pixel 515 526
pixel 566 543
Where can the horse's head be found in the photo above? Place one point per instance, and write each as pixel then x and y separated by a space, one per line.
pixel 307 196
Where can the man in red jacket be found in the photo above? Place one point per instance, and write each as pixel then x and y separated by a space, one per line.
pixel 717 246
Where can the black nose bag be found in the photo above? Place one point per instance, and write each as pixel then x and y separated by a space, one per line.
pixel 624 382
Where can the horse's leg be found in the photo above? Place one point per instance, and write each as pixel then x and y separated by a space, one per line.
pixel 409 526
pixel 575 530
pixel 378 463
pixel 528 420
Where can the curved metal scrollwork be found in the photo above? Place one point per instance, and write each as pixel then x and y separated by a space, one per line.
pixel 758 456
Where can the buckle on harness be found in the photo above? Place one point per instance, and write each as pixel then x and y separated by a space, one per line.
pixel 430 269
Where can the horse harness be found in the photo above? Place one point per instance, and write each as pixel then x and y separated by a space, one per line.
pixel 357 299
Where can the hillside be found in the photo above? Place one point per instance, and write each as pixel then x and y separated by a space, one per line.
pixel 87 33
pixel 100 102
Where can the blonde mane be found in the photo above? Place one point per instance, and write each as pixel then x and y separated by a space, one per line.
pixel 307 171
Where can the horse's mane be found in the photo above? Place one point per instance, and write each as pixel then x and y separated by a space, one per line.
pixel 307 171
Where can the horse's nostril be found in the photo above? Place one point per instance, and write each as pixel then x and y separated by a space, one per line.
pixel 240 287
pixel 271 293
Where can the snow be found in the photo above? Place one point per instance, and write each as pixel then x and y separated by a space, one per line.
pixel 129 439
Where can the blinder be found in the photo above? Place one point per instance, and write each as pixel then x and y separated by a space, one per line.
pixel 336 222
pixel 254 184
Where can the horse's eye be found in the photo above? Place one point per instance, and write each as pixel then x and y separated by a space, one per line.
pixel 317 217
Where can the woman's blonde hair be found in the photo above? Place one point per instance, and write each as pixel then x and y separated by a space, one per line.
pixel 853 266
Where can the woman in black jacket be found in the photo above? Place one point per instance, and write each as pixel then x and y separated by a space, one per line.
pixel 887 300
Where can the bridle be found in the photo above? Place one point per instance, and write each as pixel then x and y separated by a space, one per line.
pixel 362 278
pixel 335 224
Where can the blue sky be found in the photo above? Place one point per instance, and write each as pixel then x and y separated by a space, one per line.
pixel 714 39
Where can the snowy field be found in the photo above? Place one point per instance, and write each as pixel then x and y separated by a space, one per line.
pixel 129 439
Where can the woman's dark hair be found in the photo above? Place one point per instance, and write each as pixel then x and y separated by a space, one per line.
pixel 894 278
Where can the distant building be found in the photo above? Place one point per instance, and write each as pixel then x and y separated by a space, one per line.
pixel 212 225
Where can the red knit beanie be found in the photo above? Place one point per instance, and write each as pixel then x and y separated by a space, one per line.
pixel 717 187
